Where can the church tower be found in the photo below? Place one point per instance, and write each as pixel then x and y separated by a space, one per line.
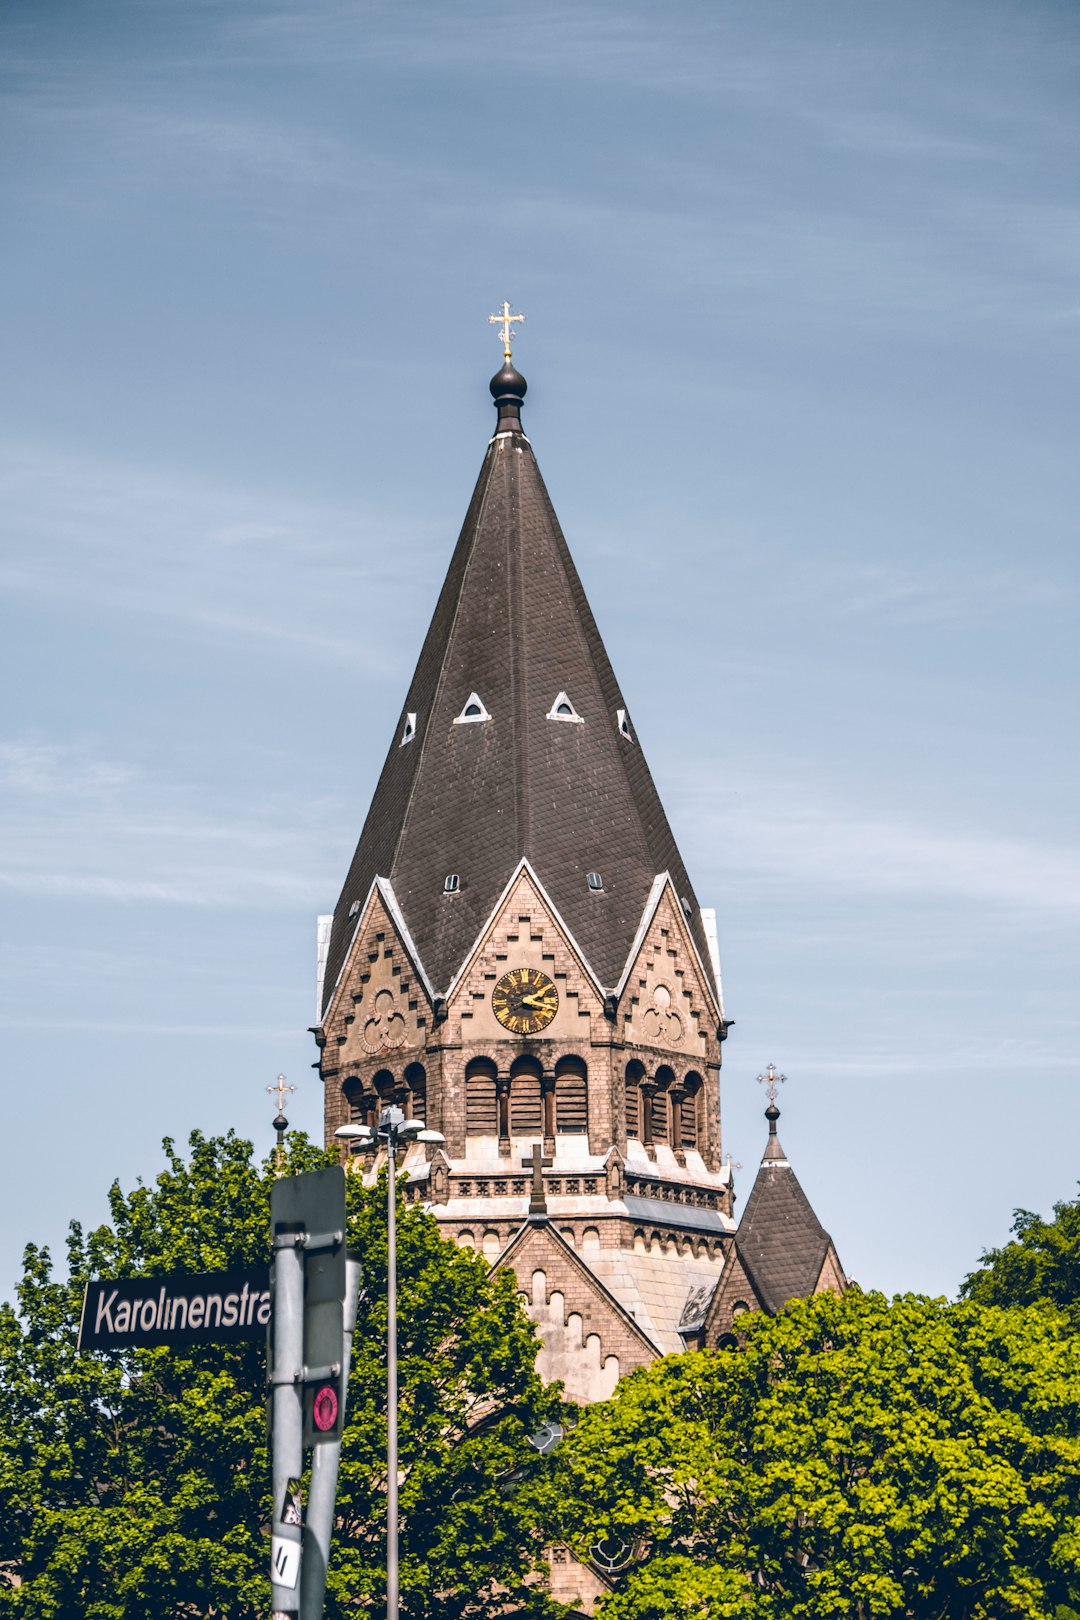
pixel 518 955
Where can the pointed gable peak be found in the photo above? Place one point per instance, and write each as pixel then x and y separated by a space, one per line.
pixel 485 770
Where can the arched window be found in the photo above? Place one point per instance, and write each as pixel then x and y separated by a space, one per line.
pixel 571 1097
pixel 384 1085
pixel 526 1117
pixel 481 1111
pixel 691 1110
pixel 361 1107
pixel 416 1080
pixel 634 1074
pixel 659 1104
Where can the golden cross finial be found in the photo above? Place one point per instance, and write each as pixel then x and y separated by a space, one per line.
pixel 281 1088
pixel 507 322
pixel 281 1124
pixel 771 1079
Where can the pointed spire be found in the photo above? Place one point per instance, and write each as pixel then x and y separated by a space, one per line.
pixel 780 1240
pixel 512 627
pixel 774 1153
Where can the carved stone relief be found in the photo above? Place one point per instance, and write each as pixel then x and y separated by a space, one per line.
pixel 660 1022
pixel 384 1029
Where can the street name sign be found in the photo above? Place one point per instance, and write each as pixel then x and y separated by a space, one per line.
pixel 137 1312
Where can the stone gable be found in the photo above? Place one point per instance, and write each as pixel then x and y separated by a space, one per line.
pixel 379 1018
pixel 587 1339
pixel 666 1003
pixel 524 933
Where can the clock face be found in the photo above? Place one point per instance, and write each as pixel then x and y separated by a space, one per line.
pixel 524 1001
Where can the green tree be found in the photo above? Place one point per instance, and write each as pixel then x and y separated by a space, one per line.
pixel 1040 1264
pixel 856 1458
pixel 135 1486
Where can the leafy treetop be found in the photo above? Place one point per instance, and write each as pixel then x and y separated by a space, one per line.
pixel 135 1486
pixel 856 1458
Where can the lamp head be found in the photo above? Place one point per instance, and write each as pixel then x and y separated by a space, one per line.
pixel 355 1133
pixel 430 1136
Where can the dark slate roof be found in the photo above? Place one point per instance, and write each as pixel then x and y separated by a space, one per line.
pixel 780 1240
pixel 512 624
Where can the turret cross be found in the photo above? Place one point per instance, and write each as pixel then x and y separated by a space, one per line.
pixel 771 1079
pixel 280 1088
pixel 507 322
pixel 537 1163
pixel 281 1124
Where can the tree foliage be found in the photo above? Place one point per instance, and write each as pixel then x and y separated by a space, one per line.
pixel 1040 1265
pixel 856 1458
pixel 136 1485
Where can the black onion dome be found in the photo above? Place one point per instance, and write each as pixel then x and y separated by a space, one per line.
pixel 508 381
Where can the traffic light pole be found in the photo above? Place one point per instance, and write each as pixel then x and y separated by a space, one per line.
pixel 324 1475
pixel 391 1380
pixel 287 1409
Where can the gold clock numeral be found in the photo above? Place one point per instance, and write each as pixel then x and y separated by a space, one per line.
pixel 524 1001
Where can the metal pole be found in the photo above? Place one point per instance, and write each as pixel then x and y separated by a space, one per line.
pixel 324 1474
pixel 391 1378
pixel 288 1419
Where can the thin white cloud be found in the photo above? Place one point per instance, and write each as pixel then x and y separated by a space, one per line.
pixel 795 833
pixel 150 542
pixel 80 827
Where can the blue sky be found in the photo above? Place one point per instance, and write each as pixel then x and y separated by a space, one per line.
pixel 801 282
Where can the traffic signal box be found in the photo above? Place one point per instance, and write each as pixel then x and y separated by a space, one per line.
pixel 324 1405
pixel 313 1207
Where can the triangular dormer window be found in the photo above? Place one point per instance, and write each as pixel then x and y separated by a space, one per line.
pixel 623 724
pixel 473 711
pixel 410 730
pixel 563 709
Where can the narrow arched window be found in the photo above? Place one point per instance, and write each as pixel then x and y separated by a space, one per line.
pixel 660 1104
pixel 481 1110
pixel 526 1116
pixel 416 1080
pixel 571 1097
pixel 634 1073
pixel 361 1107
pixel 691 1109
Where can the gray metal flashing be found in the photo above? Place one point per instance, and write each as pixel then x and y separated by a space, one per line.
pixel 685 1216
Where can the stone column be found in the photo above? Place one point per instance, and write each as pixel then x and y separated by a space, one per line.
pixel 502 1103
pixel 547 1105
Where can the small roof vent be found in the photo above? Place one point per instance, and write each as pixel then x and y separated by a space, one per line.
pixel 688 910
pixel 473 711
pixel 410 730
pixel 595 881
pixel 623 724
pixel 354 909
pixel 451 883
pixel 563 709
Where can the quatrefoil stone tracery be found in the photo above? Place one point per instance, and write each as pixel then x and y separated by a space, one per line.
pixel 384 1030
pixel 659 1022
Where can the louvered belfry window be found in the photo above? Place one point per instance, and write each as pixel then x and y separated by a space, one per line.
pixel 571 1097
pixel 690 1111
pixel 416 1080
pixel 658 1104
pixel 481 1111
pixel 526 1118
pixel 633 1108
pixel 688 1114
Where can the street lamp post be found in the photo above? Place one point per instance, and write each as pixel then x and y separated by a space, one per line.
pixel 394 1130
